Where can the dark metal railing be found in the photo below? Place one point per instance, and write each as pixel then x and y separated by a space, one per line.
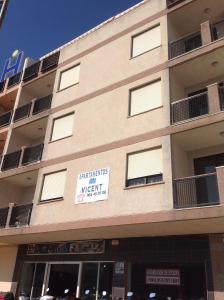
pixel 221 97
pixel 22 112
pixel 190 107
pixel 171 3
pixel 11 160
pixel 5 119
pixel 218 30
pixel 196 191
pixel 2 86
pixel 3 216
pixel 42 104
pixel 31 71
pixel 21 215
pixel 32 154
pixel 185 44
pixel 50 62
pixel 14 80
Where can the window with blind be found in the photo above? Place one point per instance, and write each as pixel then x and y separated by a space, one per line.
pixel 145 98
pixel 62 127
pixel 145 167
pixel 146 41
pixel 69 77
pixel 53 186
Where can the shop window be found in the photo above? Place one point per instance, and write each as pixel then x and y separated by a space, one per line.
pixel 62 127
pixel 69 77
pixel 53 186
pixel 146 41
pixel 144 167
pixel 145 98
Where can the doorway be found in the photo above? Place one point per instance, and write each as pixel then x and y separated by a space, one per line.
pixel 62 279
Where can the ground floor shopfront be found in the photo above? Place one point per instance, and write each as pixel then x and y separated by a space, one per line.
pixel 172 268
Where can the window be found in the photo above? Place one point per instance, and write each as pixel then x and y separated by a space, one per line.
pixel 62 127
pixel 69 77
pixel 146 41
pixel 53 186
pixel 145 98
pixel 144 167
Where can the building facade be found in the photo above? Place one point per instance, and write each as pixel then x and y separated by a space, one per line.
pixel 112 155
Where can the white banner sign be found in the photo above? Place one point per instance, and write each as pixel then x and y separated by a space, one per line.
pixel 92 186
pixel 163 276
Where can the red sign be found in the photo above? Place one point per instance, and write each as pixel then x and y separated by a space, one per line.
pixel 163 276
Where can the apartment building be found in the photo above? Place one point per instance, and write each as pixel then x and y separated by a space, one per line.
pixel 112 155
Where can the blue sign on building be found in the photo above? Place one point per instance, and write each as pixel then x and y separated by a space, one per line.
pixel 13 65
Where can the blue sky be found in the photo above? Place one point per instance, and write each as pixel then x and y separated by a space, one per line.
pixel 39 26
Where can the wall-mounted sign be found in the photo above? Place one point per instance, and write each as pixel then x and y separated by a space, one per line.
pixel 13 65
pixel 163 276
pixel 92 186
pixel 76 247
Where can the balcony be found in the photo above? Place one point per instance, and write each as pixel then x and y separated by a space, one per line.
pixel 32 154
pixel 42 104
pixel 20 215
pixel 31 71
pixel 22 157
pixel 196 191
pixel 185 44
pixel 171 3
pixel 221 96
pixel 50 62
pixel 5 119
pixel 15 215
pixel 14 80
pixel 218 30
pixel 43 66
pixel 22 112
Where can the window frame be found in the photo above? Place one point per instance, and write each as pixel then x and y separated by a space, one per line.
pixel 142 32
pixel 60 75
pixel 154 175
pixel 42 185
pixel 52 127
pixel 139 87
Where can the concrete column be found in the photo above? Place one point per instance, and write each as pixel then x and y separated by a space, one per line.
pixel 217 258
pixel 220 179
pixel 213 98
pixel 206 35
pixel 11 205
pixel 8 256
pixel 21 156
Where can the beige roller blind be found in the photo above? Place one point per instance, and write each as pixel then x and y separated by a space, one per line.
pixel 146 98
pixel 146 41
pixel 53 186
pixel 69 77
pixel 62 127
pixel 145 163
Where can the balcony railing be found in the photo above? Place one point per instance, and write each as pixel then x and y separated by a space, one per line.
pixel 50 62
pixel 14 80
pixel 196 191
pixel 22 157
pixel 31 71
pixel 20 215
pixel 11 160
pixel 5 119
pixel 3 216
pixel 42 104
pixel 190 107
pixel 22 112
pixel 221 97
pixel 171 3
pixel 2 86
pixel 218 30
pixel 32 154
pixel 185 44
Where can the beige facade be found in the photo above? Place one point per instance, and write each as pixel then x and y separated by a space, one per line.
pixel 75 113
